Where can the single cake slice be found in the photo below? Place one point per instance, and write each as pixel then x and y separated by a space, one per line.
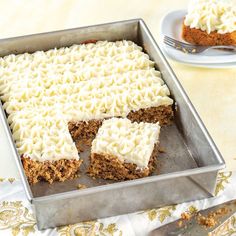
pixel 210 22
pixel 124 150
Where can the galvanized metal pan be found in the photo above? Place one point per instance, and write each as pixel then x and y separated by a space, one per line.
pixel 188 168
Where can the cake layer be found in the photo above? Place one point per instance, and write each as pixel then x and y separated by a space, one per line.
pixel 199 37
pixel 83 132
pixel 44 91
pixel 217 16
pixel 130 142
pixel 50 171
pixel 107 166
pixel 164 115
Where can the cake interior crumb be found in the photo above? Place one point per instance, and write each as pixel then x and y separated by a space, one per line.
pixel 212 219
pixel 208 221
pixel 186 216
pixel 161 150
pixel 81 186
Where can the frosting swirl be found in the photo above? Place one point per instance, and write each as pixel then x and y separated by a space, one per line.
pixel 130 142
pixel 44 90
pixel 212 15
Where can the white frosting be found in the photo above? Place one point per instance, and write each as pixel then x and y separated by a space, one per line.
pixel 130 142
pixel 44 90
pixel 212 15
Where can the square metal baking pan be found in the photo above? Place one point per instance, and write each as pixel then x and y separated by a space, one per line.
pixel 188 167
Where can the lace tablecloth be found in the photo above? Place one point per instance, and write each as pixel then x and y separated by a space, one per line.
pixel 16 216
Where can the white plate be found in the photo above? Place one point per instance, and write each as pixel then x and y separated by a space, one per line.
pixel 171 25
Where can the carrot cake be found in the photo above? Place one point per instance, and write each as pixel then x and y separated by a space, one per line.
pixel 210 22
pixel 124 150
pixel 56 100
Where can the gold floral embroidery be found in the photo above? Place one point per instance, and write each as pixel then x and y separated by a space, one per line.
pixel 228 228
pixel 161 213
pixel 110 230
pixel 80 229
pixel 152 214
pixel 11 180
pixel 232 227
pixel 17 218
pixel 192 210
pixel 223 178
pixel 91 228
pixel 14 216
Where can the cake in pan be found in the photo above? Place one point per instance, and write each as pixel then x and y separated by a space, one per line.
pixel 124 150
pixel 210 22
pixel 56 101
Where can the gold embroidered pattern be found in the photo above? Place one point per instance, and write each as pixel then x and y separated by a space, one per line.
pixel 18 219
pixel 110 230
pixel 226 229
pixel 192 210
pixel 14 216
pixel 11 180
pixel 86 228
pixel 161 213
pixel 222 179
pixel 91 228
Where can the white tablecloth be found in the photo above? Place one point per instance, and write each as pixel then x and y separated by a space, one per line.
pixel 16 216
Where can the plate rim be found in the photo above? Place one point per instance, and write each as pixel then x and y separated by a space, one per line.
pixel 197 64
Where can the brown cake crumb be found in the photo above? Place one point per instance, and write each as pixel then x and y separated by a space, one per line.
pixel 212 218
pixel 206 221
pixel 180 223
pixel 161 150
pixel 81 186
pixel 186 216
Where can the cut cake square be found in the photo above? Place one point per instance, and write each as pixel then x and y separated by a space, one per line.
pixel 124 150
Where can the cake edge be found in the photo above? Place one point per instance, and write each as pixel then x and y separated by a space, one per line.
pixel 83 132
pixel 114 169
pixel 200 37
pixel 50 171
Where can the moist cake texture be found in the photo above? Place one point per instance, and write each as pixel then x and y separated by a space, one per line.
pixel 83 132
pixel 59 170
pixel 56 100
pixel 124 150
pixel 210 22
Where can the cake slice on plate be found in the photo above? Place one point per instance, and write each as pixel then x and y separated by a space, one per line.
pixel 124 150
pixel 210 22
